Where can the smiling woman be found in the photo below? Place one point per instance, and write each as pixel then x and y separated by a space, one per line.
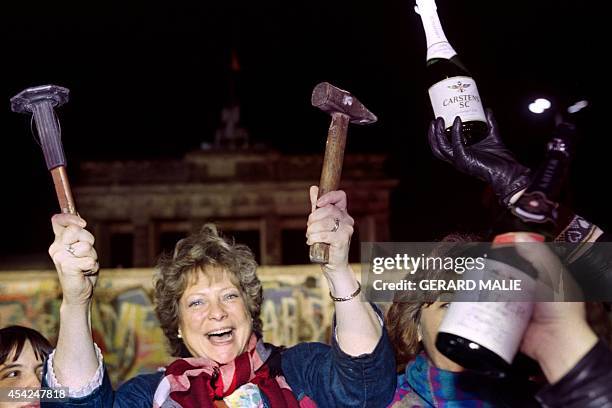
pixel 208 277
pixel 213 294
pixel 208 300
pixel 22 354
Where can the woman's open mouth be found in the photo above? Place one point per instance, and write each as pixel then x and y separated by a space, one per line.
pixel 221 336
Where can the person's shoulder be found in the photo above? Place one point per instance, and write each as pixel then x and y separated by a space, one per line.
pixel 304 354
pixel 143 383
pixel 404 394
pixel 307 347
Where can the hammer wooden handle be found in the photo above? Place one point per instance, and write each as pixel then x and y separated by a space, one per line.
pixel 62 189
pixel 330 174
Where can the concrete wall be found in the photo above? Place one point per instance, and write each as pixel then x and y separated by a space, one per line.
pixel 296 308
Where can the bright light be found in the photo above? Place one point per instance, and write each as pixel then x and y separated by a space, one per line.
pixel 539 105
pixel 543 103
pixel 535 108
pixel 578 106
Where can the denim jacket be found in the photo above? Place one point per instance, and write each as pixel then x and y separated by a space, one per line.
pixel 315 371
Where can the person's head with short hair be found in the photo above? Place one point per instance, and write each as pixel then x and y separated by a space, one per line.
pixel 412 323
pixel 208 297
pixel 22 354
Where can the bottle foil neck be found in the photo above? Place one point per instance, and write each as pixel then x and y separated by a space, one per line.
pixel 437 43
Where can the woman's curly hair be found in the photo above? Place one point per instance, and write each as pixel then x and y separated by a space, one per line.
pixel 199 252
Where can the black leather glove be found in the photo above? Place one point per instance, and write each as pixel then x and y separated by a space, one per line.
pixel 489 160
pixel 586 385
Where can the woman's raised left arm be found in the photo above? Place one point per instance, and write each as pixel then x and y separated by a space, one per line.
pixel 358 326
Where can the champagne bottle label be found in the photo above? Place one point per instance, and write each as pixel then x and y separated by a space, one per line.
pixel 498 326
pixel 456 96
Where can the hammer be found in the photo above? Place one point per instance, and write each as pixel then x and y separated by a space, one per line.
pixel 343 108
pixel 40 101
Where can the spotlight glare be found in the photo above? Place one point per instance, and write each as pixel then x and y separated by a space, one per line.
pixel 533 107
pixel 543 103
pixel 578 106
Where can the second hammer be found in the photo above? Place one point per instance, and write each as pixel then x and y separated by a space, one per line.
pixel 343 108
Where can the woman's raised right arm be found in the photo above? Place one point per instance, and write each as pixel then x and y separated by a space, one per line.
pixel 74 361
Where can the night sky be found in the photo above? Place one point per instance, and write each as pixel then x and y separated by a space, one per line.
pixel 148 80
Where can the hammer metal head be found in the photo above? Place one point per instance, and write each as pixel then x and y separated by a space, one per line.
pixel 23 101
pixel 331 99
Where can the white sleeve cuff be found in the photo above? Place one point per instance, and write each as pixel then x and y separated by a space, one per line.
pixel 86 389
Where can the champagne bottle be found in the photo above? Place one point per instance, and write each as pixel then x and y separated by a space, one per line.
pixel 485 336
pixel 452 90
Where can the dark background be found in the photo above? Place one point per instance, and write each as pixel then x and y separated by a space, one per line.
pixel 148 80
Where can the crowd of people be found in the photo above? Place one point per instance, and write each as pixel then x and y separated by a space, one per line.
pixel 208 301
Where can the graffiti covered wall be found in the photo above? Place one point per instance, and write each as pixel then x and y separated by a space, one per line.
pixel 296 308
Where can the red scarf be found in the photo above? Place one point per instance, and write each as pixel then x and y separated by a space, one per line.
pixel 199 382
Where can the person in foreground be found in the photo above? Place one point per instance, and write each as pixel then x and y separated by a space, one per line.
pixel 589 261
pixel 208 299
pixel 22 355
pixel 576 365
